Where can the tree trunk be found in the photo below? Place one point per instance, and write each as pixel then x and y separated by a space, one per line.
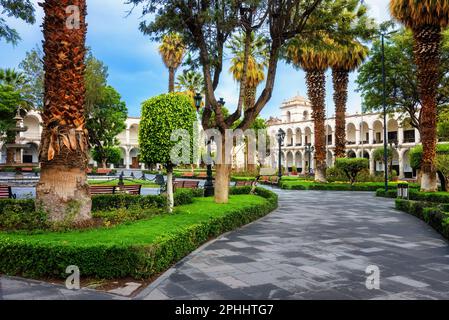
pixel 316 86
pixel 170 196
pixel 171 80
pixel 10 157
pixel 63 190
pixel 104 164
pixel 341 80
pixel 250 100
pixel 222 177
pixel 427 56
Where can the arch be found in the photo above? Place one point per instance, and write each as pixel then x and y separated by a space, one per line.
pixel 3 154
pixel 308 135
pixel 298 137
pixel 290 160
pixel 330 159
pixel 364 132
pixel 351 154
pixel 378 132
pixel 366 155
pixel 298 161
pixel 134 158
pixel 134 134
pixel 393 127
pixel 305 115
pixel 289 138
pixel 351 132
pixel 408 170
pixel 33 124
pixel 289 117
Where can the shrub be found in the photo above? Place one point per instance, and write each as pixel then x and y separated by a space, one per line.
pixel 435 197
pixel 335 174
pixel 352 167
pixel 33 257
pixel 417 152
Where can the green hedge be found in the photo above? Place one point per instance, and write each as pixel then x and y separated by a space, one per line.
pixel 37 257
pixel 364 186
pixel 433 215
pixel 436 197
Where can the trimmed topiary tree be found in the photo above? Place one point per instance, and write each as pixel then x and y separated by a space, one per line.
pixel 352 167
pixel 161 116
pixel 107 155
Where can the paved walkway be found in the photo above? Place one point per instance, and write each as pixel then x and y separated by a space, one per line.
pixel 317 245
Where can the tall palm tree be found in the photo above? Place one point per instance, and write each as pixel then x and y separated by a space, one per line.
pixel 172 50
pixel 344 59
pixel 427 19
pixel 255 75
pixel 312 55
pixel 257 62
pixel 63 190
pixel 190 81
pixel 12 77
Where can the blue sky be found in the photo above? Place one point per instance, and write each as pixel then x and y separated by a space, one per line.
pixel 136 69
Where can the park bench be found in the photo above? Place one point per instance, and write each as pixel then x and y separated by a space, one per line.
pixel 244 183
pixel 268 176
pixel 188 175
pixel 103 172
pixel 133 189
pixel 202 175
pixel 97 190
pixel 186 185
pixel 6 193
pixel 26 169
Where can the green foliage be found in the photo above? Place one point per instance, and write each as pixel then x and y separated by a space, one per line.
pixel 432 214
pixel 107 154
pixel 337 186
pixel 19 9
pixel 138 249
pixel 415 194
pixel 33 69
pixel 10 99
pixel 161 116
pixel 380 152
pixel 352 167
pixel 401 75
pixel 443 125
pixel 417 152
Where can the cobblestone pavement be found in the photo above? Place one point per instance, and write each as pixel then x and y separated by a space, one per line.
pixel 317 245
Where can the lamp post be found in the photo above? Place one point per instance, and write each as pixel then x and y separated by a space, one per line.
pixel 394 145
pixel 309 150
pixel 280 137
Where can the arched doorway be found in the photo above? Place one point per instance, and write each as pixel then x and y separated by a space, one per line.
pixel 352 154
pixel 30 155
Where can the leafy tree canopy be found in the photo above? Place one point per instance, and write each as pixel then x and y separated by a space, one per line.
pixel 33 69
pixel 401 79
pixel 20 9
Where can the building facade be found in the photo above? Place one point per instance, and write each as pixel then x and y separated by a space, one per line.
pixel 364 134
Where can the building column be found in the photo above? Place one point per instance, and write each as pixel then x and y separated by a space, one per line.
pixel 142 166
pixel 372 164
pixel 127 136
pixel 127 158
pixel 304 162
pixel 111 166
pixel 417 136
pixel 400 135
pixel 371 136
pixel 357 137
pixel 401 164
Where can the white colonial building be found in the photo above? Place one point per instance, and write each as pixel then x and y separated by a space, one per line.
pixel 364 134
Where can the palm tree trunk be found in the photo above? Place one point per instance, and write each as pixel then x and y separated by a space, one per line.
pixel 63 190
pixel 171 80
pixel 427 46
pixel 250 101
pixel 316 86
pixel 341 80
pixel 222 176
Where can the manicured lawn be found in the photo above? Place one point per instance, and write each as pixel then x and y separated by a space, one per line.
pixel 146 231
pixel 114 182
pixel 338 186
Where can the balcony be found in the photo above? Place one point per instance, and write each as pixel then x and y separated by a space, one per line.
pixel 409 140
pixel 378 142
pixel 299 144
pixel 351 143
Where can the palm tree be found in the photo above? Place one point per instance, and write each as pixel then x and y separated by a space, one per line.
pixel 427 19
pixel 12 77
pixel 63 190
pixel 255 75
pixel 344 59
pixel 257 62
pixel 312 55
pixel 172 51
pixel 190 81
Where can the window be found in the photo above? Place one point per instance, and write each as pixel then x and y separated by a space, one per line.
pixel 409 136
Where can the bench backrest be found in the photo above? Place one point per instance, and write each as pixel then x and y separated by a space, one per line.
pixel 5 192
pixel 243 183
pixel 188 174
pixel 94 190
pixel 191 184
pixel 104 171
pixel 133 189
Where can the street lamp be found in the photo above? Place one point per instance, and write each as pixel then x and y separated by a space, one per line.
pixel 310 149
pixel 198 99
pixel 383 35
pixel 280 136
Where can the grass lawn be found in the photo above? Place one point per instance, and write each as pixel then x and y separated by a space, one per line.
pixel 144 183
pixel 145 232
